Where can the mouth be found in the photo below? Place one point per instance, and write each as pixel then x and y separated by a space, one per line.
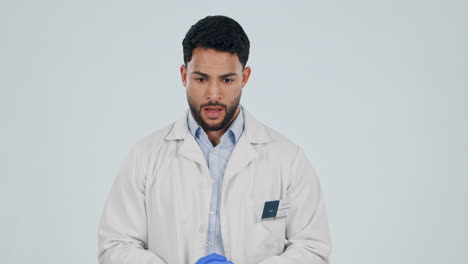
pixel 213 111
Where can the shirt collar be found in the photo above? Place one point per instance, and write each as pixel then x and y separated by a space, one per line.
pixel 236 128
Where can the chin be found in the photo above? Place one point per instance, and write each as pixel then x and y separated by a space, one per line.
pixel 214 121
pixel 211 122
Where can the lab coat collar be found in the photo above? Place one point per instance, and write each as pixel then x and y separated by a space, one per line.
pixel 254 133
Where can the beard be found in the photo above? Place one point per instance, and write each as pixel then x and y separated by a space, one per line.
pixel 230 111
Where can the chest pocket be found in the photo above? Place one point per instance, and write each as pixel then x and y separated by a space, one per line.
pixel 267 236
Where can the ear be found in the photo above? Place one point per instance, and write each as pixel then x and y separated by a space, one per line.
pixel 245 75
pixel 183 74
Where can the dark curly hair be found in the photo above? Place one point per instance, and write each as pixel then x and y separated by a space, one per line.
pixel 220 33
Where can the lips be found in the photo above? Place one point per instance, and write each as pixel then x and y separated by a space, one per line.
pixel 213 111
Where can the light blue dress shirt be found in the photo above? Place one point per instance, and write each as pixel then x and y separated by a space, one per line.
pixel 216 158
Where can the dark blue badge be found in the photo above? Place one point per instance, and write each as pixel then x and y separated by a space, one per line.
pixel 270 209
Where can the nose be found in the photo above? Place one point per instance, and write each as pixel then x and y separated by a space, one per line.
pixel 214 92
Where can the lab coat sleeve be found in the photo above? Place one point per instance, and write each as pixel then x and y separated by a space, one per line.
pixel 122 231
pixel 307 227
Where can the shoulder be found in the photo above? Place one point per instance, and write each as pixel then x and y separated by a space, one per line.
pixel 151 142
pixel 280 145
pixel 282 151
pixel 267 139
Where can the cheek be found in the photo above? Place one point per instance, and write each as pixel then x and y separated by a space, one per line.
pixel 194 91
pixel 233 92
pixel 195 97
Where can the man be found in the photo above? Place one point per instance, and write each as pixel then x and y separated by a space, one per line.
pixel 216 186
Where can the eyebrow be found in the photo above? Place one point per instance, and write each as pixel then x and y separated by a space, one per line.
pixel 221 76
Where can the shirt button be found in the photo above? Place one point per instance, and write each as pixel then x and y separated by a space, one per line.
pixel 208 244
pixel 213 180
pixel 211 211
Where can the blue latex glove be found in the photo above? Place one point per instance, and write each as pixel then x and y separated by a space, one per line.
pixel 213 258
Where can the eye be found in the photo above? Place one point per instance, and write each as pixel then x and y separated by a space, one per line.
pixel 199 79
pixel 227 80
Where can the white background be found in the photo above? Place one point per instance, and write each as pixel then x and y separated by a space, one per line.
pixel 374 91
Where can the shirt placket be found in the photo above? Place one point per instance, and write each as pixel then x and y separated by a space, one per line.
pixel 213 165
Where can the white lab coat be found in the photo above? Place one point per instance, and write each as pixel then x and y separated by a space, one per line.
pixel 158 207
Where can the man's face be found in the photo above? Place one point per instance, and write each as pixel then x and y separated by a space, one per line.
pixel 214 81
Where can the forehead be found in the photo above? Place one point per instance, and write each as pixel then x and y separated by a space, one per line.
pixel 213 61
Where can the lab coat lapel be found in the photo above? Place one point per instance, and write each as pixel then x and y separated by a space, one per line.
pixel 191 150
pixel 244 152
pixel 242 155
pixel 189 147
